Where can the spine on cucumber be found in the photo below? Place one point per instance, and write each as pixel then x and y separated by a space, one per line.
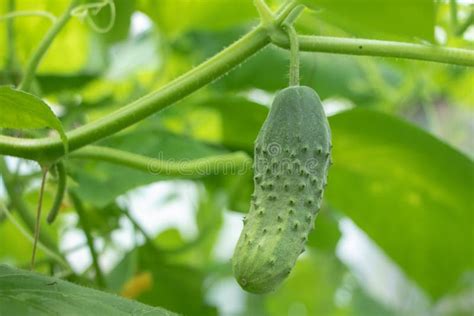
pixel 291 161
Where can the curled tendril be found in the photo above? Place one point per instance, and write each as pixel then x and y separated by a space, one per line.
pixel 61 189
pixel 85 11
pixel 29 13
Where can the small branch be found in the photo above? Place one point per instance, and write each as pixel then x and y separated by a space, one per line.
pixel 453 6
pixel 16 199
pixel 266 16
pixel 233 163
pixel 38 216
pixel 90 240
pixel 367 47
pixel 466 24
pixel 29 13
pixel 43 47
pixel 137 226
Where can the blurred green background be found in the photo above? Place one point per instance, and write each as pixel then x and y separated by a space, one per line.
pixel 396 232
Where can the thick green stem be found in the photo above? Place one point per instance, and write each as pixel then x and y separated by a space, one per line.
pixel 366 47
pixel 234 163
pixel 294 55
pixel 90 241
pixel 51 148
pixel 43 48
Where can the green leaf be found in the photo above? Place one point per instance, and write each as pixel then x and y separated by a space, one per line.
pixel 411 193
pixel 326 233
pixel 344 76
pixel 27 293
pixel 69 51
pixel 225 115
pixel 52 83
pixel 386 19
pixel 23 110
pixel 310 288
pixel 178 16
pixel 177 287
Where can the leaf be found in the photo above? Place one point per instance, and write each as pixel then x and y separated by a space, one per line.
pixel 325 234
pixel 177 287
pixel 343 75
pixel 411 193
pixel 225 115
pixel 379 18
pixel 52 83
pixel 23 110
pixel 310 288
pixel 69 51
pixel 178 16
pixel 27 293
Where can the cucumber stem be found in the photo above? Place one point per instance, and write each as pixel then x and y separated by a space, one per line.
pixel 294 55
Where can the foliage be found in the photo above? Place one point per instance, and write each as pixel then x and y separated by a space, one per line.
pixel 403 172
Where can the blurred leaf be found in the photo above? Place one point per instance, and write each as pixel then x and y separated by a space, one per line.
pixel 364 305
pixel 325 234
pixel 18 248
pixel 26 293
pixel 138 53
pixel 54 83
pixel 209 216
pixel 103 220
pixel 379 18
pixel 225 115
pixel 23 110
pixel 169 239
pixel 310 288
pixel 177 16
pixel 122 272
pixel 329 74
pixel 100 182
pixel 70 49
pixel 411 193
pixel 174 286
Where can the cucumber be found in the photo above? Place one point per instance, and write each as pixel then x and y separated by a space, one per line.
pixel 291 160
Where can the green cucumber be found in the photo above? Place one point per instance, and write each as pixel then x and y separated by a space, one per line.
pixel 292 157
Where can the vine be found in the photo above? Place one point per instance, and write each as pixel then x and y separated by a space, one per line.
pixel 49 149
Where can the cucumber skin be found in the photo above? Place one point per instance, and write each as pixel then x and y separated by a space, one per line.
pixel 291 161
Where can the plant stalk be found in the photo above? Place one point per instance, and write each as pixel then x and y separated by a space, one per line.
pixel 35 59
